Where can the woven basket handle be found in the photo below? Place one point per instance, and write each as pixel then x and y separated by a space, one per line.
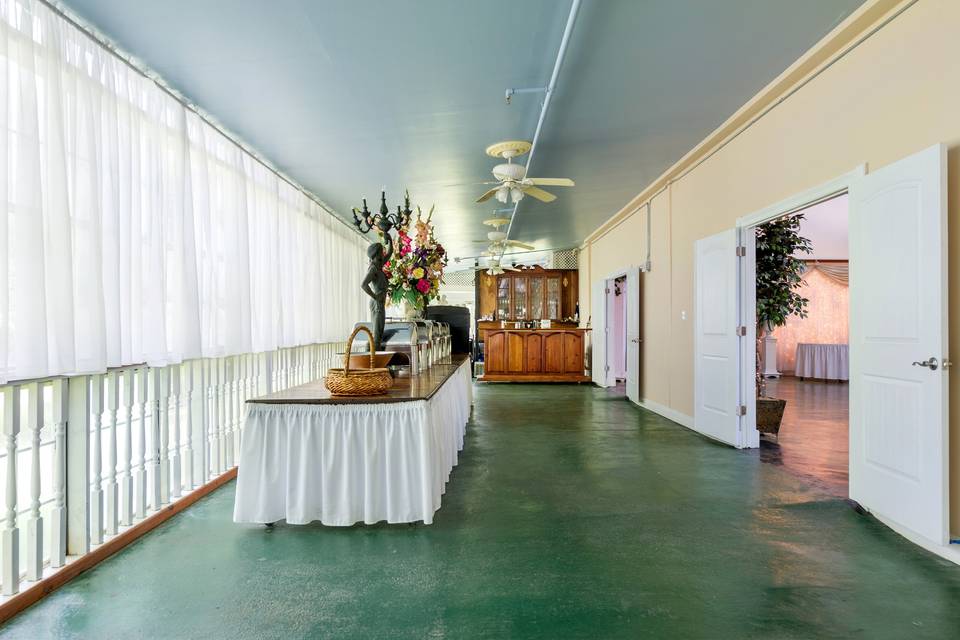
pixel 346 356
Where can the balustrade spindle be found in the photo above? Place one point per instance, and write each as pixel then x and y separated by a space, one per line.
pixel 58 514
pixel 113 406
pixel 259 363
pixel 10 536
pixel 140 473
pixel 226 415
pixel 96 491
pixel 161 491
pixel 215 469
pixel 35 521
pixel 242 395
pixel 126 474
pixel 188 445
pixel 277 369
pixel 269 371
pixel 228 372
pixel 175 481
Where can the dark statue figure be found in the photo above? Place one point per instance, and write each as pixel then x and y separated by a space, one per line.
pixel 375 286
pixel 375 283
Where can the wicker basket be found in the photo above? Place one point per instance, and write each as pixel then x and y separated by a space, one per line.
pixel 359 382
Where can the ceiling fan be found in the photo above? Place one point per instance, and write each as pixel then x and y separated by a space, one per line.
pixel 512 181
pixel 495 268
pixel 497 239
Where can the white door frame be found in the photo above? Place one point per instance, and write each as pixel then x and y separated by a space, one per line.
pixel 610 281
pixel 748 274
pixel 607 284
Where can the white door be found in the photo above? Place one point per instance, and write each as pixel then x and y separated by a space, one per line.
pixel 898 320
pixel 717 346
pixel 601 329
pixel 633 334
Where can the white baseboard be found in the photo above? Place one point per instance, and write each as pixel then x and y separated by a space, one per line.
pixel 949 552
pixel 668 413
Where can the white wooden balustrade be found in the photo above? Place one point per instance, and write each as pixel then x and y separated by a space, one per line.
pixel 85 457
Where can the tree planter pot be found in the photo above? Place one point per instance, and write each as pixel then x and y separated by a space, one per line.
pixel 770 415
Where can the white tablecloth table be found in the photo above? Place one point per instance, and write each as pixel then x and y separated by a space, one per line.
pixel 347 463
pixel 823 361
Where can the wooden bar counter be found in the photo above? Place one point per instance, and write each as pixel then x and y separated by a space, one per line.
pixel 534 355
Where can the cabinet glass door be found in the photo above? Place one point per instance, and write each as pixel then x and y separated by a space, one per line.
pixel 553 298
pixel 519 298
pixel 503 298
pixel 536 298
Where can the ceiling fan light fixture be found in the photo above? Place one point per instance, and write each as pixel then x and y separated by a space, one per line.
pixel 516 193
pixel 503 194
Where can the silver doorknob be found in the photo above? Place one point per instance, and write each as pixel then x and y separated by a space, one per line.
pixel 637 340
pixel 931 364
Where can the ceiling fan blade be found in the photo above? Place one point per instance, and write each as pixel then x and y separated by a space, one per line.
pixel 522 245
pixel 469 184
pixel 539 194
pixel 487 195
pixel 551 182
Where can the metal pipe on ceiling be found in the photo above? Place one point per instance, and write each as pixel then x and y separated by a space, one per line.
pixel 548 96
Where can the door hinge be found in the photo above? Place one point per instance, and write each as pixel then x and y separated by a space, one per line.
pixel 741 252
pixel 606 290
pixel 606 368
pixel 741 331
pixel 742 410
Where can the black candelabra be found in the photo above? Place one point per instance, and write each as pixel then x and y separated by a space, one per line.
pixel 383 221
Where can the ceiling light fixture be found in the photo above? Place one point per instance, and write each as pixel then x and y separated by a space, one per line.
pixel 506 194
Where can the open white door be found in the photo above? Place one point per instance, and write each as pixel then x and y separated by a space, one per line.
pixel 898 342
pixel 633 334
pixel 600 324
pixel 717 403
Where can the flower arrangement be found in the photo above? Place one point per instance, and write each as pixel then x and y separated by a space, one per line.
pixel 416 271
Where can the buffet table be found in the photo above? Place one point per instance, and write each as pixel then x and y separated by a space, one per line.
pixel 823 361
pixel 307 455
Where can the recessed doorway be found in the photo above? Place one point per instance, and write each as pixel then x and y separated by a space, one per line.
pixel 615 339
pixel 804 362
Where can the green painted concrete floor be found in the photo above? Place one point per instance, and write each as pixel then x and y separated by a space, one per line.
pixel 572 514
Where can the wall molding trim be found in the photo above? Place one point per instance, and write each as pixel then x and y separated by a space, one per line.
pixel 858 27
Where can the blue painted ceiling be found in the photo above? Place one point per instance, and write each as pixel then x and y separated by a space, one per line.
pixel 349 95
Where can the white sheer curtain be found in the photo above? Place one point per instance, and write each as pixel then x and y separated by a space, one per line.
pixel 134 231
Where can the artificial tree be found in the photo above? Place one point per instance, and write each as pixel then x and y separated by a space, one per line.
pixel 779 275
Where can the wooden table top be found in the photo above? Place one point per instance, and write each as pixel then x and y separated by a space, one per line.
pixel 405 389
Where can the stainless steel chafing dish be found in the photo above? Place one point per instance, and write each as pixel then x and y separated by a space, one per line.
pixel 404 339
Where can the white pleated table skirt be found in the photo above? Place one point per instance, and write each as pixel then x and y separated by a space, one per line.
pixel 823 361
pixel 350 463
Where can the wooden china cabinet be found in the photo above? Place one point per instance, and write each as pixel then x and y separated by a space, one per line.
pixel 516 348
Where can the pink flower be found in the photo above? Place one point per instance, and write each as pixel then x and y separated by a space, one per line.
pixel 423 286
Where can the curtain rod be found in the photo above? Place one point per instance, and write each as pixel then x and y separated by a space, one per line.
pixel 104 42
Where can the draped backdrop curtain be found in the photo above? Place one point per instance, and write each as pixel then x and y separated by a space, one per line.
pixel 136 232
pixel 828 319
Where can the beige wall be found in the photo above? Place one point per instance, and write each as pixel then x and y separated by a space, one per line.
pixel 893 95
